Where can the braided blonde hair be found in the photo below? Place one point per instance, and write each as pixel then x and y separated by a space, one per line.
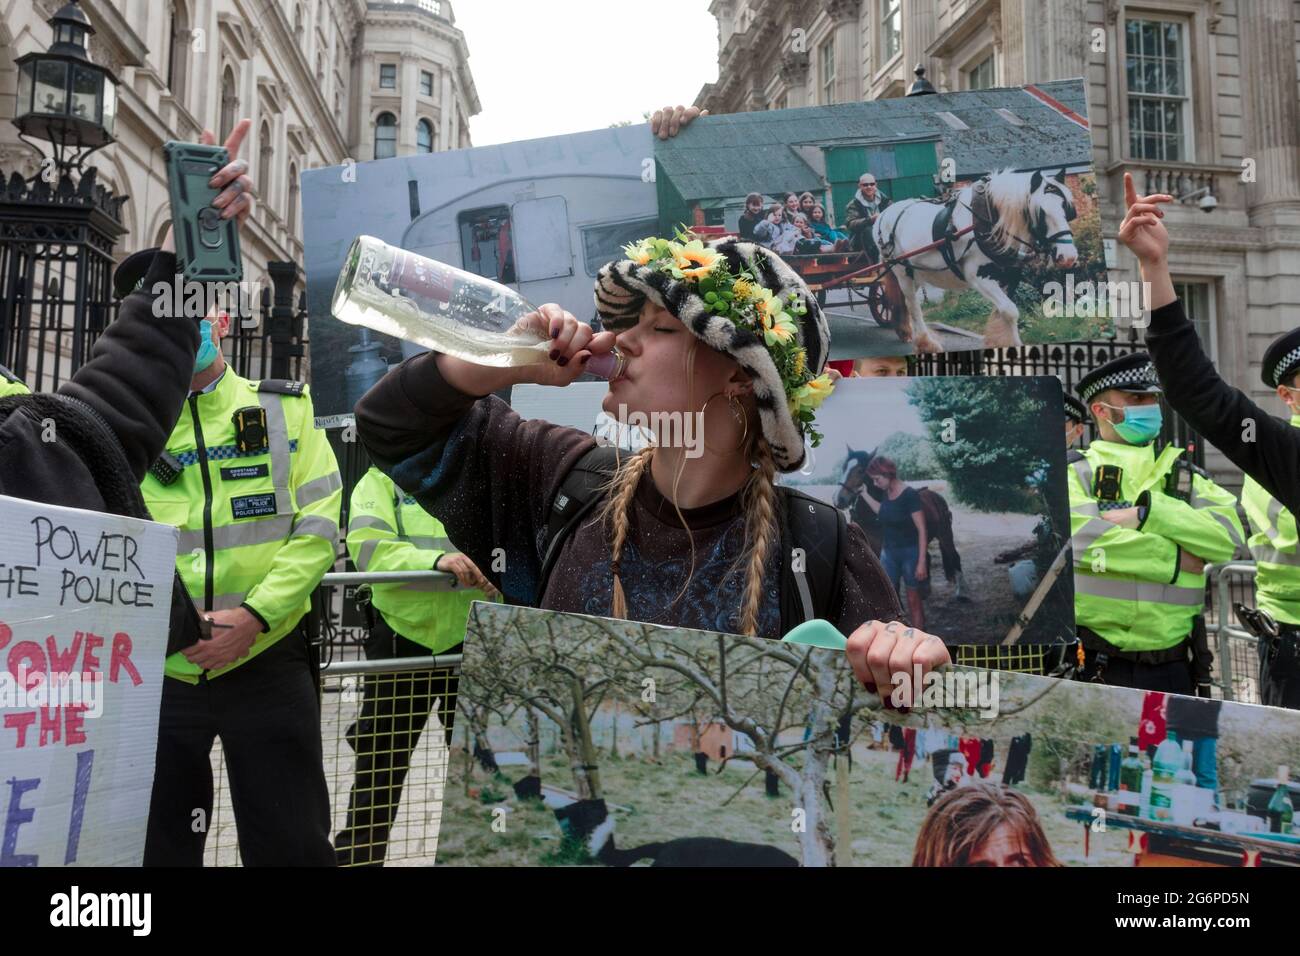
pixel 758 501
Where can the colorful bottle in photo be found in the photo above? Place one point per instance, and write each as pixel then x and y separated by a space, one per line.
pixel 1280 810
pixel 1130 777
pixel 1164 771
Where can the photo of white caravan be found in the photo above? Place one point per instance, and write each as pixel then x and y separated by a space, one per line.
pixel 541 216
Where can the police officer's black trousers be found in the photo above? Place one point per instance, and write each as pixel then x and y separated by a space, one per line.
pixel 394 710
pixel 1279 670
pixel 1171 677
pixel 267 715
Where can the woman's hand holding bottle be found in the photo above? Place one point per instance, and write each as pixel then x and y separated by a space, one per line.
pixel 573 343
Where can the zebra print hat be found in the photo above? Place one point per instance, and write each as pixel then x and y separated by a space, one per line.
pixel 623 286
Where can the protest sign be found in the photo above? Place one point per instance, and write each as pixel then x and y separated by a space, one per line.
pixel 84 610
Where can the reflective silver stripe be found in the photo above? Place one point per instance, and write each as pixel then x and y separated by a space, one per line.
pixel 1090 508
pixel 428 542
pixel 366 552
pixel 239 535
pixel 277 433
pixel 317 525
pixel 226 602
pixel 1263 555
pixel 1274 512
pixel 1228 527
pixel 1143 592
pixel 1090 532
pixel 319 489
pixel 1083 468
pixel 368 521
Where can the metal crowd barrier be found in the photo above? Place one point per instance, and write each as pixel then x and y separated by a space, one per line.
pixel 1236 656
pixel 404 686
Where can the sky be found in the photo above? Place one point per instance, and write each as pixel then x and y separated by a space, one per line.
pixel 544 69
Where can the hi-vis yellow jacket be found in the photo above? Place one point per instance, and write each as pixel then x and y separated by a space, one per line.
pixel 1276 551
pixel 389 531
pixel 1127 584
pixel 258 527
pixel 10 384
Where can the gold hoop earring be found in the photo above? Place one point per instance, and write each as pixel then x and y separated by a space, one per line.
pixel 738 413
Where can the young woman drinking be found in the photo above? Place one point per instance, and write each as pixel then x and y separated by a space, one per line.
pixel 686 537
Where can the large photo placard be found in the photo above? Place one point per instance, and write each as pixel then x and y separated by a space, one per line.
pixel 924 223
pixel 84 609
pixel 595 742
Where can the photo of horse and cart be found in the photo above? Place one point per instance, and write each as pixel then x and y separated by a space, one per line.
pixel 924 224
pixel 959 485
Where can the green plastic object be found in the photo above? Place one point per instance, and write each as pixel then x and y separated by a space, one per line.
pixel 817 633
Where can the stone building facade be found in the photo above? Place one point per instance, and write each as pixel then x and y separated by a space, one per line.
pixel 323 81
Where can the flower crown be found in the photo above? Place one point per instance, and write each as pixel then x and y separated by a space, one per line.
pixel 737 297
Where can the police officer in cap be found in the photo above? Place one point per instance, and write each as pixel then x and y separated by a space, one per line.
pixel 1076 417
pixel 1143 526
pixel 255 490
pixel 1275 547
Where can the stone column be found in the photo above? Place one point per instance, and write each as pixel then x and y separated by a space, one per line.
pixel 446 106
pixel 848 51
pixel 1272 117
pixel 407 83
pixel 918 33
pixel 794 73
pixel 365 125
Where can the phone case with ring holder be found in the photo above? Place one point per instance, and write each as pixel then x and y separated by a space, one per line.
pixel 207 246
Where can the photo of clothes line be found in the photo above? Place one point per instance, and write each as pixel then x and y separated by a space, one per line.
pixel 583 741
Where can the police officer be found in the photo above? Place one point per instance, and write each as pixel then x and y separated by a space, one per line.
pixel 1076 416
pixel 1275 547
pixel 1143 528
pixel 389 531
pixel 11 384
pixel 255 490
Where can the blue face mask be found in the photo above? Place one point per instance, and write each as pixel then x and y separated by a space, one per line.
pixel 1141 424
pixel 208 350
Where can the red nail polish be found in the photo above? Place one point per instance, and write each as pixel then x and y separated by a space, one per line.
pixel 583 360
pixel 563 362
pixel 555 353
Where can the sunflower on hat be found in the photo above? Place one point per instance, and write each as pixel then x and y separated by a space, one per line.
pixel 733 291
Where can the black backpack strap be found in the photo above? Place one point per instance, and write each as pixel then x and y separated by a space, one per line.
pixel 813 587
pixel 577 495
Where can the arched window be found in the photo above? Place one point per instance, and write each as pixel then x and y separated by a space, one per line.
pixel 229 103
pixel 178 47
pixel 293 200
pixel 385 136
pixel 264 162
pixel 424 136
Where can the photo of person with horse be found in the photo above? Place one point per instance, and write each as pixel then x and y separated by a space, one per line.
pixel 969 471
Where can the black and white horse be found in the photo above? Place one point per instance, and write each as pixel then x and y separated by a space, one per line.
pixel 1015 217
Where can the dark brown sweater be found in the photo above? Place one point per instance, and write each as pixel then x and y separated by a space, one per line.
pixel 490 477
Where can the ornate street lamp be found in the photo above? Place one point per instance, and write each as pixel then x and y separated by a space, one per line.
pixel 58 228
pixel 63 98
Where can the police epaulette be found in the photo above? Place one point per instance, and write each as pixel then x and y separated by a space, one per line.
pixel 281 386
pixel 8 376
pixel 1074 455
